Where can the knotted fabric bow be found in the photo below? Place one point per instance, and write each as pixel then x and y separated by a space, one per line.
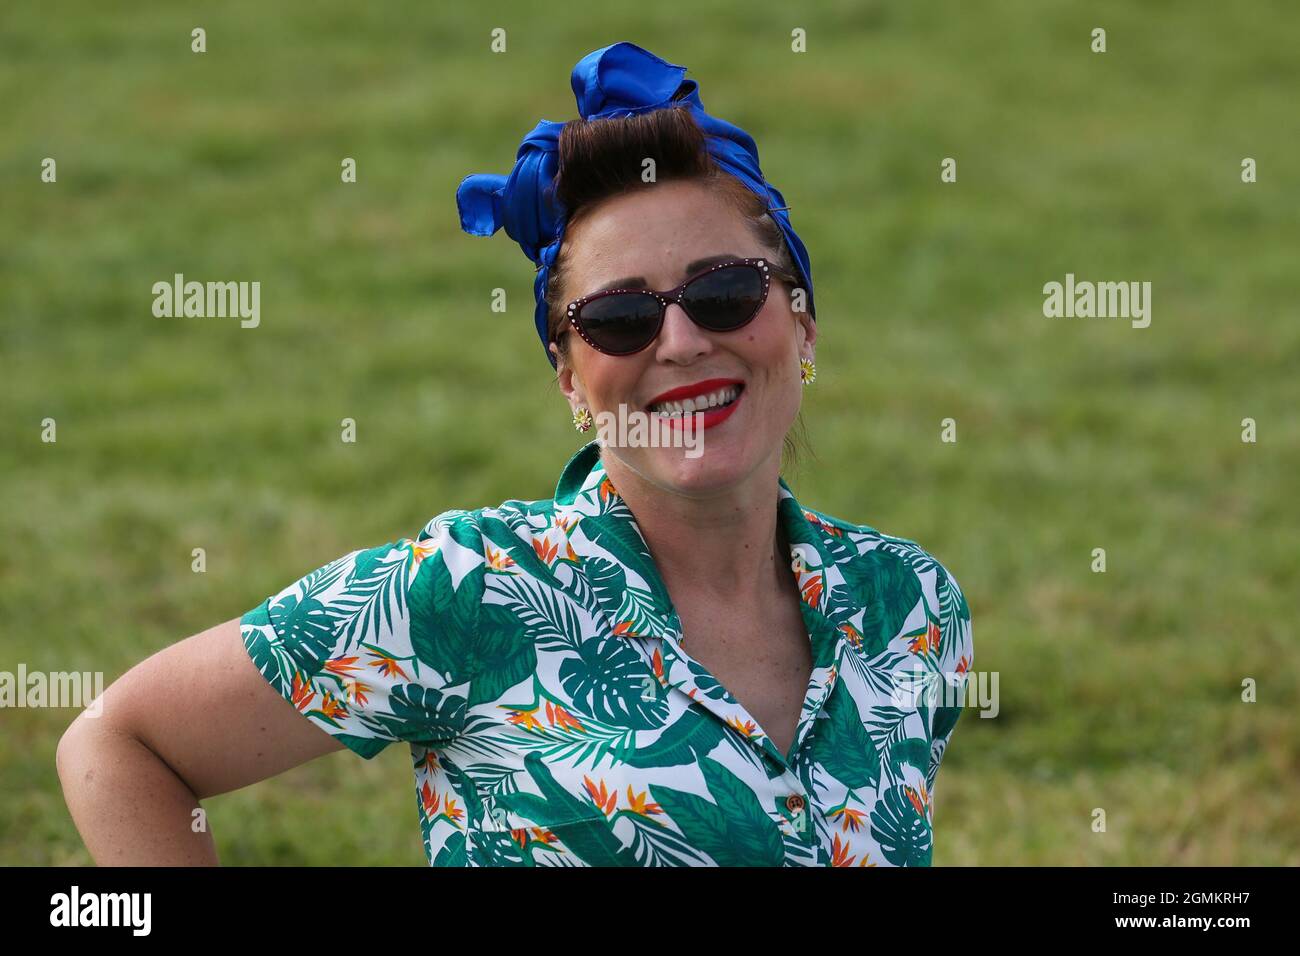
pixel 616 81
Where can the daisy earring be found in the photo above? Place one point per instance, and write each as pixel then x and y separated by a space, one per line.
pixel 582 418
pixel 807 371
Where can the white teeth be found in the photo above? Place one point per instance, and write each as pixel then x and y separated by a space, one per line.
pixel 689 406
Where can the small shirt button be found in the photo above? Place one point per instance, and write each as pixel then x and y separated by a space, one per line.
pixel 794 803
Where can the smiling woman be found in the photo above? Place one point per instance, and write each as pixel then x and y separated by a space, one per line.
pixel 534 655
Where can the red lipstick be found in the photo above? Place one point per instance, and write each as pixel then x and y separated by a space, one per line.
pixel 690 391
pixel 708 418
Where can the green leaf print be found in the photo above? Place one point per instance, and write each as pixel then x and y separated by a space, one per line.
pixel 911 750
pixel 945 719
pixel 505 654
pixel 709 685
pixel 539 811
pixel 443 619
pixel 376 591
pixel 608 580
pixel 466 787
pixel 452 852
pixel 686 740
pixel 423 715
pixel 607 679
pixel 636 606
pixel 592 839
pixel 704 824
pixel 462 529
pixel 735 830
pixel 308 628
pixel 903 834
pixel 367 747
pixel 887 587
pixel 520 550
pixel 841 744
pixel 497 849
pixel 754 832
pixel 952 611
pixel 553 805
pixel 510 678
pixel 616 532
pixel 638 610
pixel 268 655
pixel 544 613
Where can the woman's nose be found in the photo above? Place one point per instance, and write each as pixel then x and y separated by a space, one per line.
pixel 680 338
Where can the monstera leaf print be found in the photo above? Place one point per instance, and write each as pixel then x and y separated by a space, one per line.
pixel 308 628
pixel 498 849
pixel 422 715
pixel 903 834
pixel 268 653
pixel 512 647
pixel 608 579
pixel 607 679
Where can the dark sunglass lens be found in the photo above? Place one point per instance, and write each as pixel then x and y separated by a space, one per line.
pixel 726 298
pixel 621 323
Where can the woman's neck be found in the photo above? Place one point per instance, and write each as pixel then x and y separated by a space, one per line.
pixel 724 546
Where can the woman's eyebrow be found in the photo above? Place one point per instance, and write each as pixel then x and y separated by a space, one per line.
pixel 638 282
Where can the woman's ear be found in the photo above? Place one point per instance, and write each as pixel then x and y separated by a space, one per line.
pixel 570 386
pixel 807 335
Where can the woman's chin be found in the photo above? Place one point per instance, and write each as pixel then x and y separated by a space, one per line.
pixel 702 470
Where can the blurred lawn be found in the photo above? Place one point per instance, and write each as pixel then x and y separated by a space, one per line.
pixel 1118 690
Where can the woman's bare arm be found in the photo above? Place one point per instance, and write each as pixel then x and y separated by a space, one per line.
pixel 192 721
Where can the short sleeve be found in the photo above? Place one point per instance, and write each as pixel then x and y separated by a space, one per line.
pixel 378 645
pixel 957 654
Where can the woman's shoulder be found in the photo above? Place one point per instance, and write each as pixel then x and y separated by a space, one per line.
pixel 893 577
pixel 477 527
pixel 867 538
pixel 513 536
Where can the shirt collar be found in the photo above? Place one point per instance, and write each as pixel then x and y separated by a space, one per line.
pixel 616 560
pixel 584 472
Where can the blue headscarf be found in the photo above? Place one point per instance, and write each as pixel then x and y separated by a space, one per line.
pixel 617 81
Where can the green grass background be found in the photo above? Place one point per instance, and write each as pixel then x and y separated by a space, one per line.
pixel 1118 690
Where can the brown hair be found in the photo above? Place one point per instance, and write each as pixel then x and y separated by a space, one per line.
pixel 602 158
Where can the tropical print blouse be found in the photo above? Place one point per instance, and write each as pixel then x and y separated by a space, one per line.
pixel 530 656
